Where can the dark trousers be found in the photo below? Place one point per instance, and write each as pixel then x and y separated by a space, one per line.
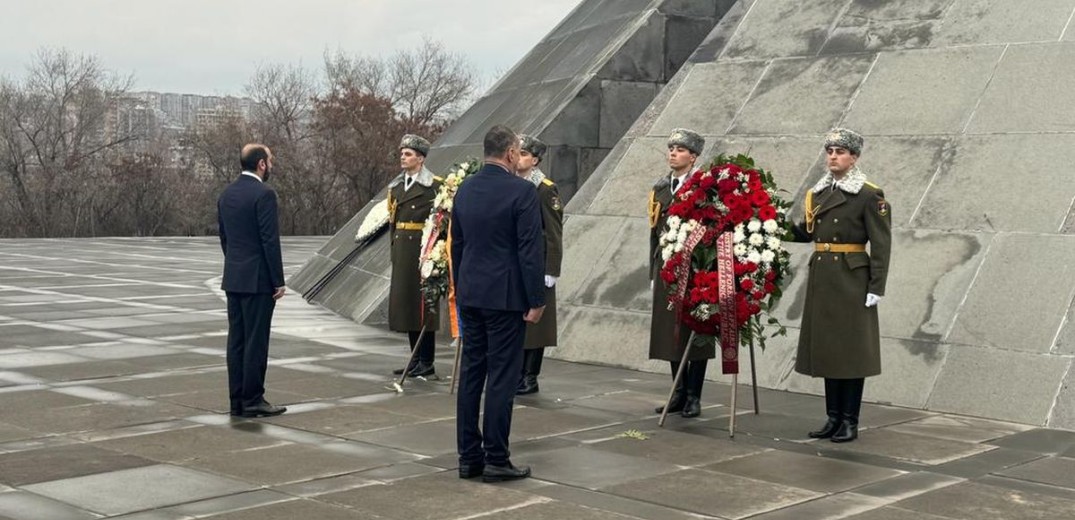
pixel 427 349
pixel 843 398
pixel 532 358
pixel 492 359
pixel 249 321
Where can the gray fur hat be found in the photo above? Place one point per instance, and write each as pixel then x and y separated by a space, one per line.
pixel 688 139
pixel 845 138
pixel 415 142
pixel 533 145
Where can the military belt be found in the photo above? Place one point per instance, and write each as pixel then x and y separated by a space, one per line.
pixel 410 226
pixel 826 247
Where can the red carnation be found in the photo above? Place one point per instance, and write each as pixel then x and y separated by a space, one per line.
pixel 770 287
pixel 668 276
pixel 770 276
pixel 767 213
pixel 760 198
pixel 746 285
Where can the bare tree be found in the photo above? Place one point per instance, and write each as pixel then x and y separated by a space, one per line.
pixel 283 97
pixel 53 126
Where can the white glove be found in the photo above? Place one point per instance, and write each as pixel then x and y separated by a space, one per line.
pixel 651 285
pixel 872 299
pixel 550 281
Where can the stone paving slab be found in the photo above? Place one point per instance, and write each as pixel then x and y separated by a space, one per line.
pixel 135 427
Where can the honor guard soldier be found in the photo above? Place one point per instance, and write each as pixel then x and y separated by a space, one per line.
pixel 684 146
pixel 839 339
pixel 410 200
pixel 542 334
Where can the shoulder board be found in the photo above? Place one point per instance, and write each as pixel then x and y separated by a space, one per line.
pixel 546 181
pixel 872 185
pixel 395 182
pixel 438 178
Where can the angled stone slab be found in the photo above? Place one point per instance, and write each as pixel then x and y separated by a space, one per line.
pixel 187 443
pixel 55 463
pixel 892 513
pixel 818 88
pixel 974 500
pixel 831 507
pixel 681 449
pixel 1039 440
pixel 693 490
pixel 790 160
pixel 907 485
pixel 626 192
pixel 898 24
pixel 579 339
pixel 971 22
pixel 947 85
pixel 778 29
pixel 928 278
pixel 555 511
pixel 1063 413
pixel 908 371
pixel 138 489
pixel 290 463
pixel 693 106
pixel 1020 296
pixel 964 194
pixel 1044 105
pixel 620 276
pixel 1002 384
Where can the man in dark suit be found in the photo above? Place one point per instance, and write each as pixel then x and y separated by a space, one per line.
pixel 498 256
pixel 253 279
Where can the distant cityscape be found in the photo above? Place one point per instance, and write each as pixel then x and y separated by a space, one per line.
pixel 156 119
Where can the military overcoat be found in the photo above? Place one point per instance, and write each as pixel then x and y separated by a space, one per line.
pixel 840 338
pixel 543 333
pixel 663 323
pixel 408 210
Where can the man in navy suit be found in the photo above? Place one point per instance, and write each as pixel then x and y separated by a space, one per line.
pixel 498 254
pixel 253 279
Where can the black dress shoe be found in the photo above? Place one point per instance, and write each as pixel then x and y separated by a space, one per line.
pixel 422 370
pixel 847 432
pixel 675 407
pixel 826 431
pixel 528 385
pixel 506 472
pixel 236 412
pixel 692 408
pixel 264 409
pixel 471 470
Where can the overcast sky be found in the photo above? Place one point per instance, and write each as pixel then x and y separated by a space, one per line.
pixel 213 46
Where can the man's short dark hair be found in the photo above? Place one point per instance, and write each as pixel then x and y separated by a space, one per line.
pixel 498 140
pixel 251 155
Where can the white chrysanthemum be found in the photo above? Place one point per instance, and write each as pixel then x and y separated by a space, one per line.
pixel 674 221
pixel 427 269
pixel 754 225
pixel 756 239
pixel 767 256
pixel 770 226
pixel 754 257
pixel 678 247
pixel 773 243
pixel 667 252
pixel 740 250
pixel 374 221
pixel 462 172
pixel 739 237
pixel 740 228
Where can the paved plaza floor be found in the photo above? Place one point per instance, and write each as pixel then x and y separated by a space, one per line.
pixel 113 405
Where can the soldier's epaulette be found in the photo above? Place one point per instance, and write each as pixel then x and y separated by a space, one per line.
pixel 395 182
pixel 872 185
pixel 661 182
pixel 438 179
pixel 548 182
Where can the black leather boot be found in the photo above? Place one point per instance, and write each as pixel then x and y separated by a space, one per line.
pixel 832 410
pixel 851 397
pixel 531 368
pixel 695 380
pixel 678 395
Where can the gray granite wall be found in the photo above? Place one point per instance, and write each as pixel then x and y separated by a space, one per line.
pixel 969 118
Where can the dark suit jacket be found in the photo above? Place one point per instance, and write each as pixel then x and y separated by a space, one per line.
pixel 498 252
pixel 250 237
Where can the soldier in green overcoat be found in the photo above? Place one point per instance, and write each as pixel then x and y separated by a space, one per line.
pixel 684 146
pixel 839 339
pixel 410 200
pixel 542 334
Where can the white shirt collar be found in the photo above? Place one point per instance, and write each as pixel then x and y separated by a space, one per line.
pixel 253 175
pixel 682 179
